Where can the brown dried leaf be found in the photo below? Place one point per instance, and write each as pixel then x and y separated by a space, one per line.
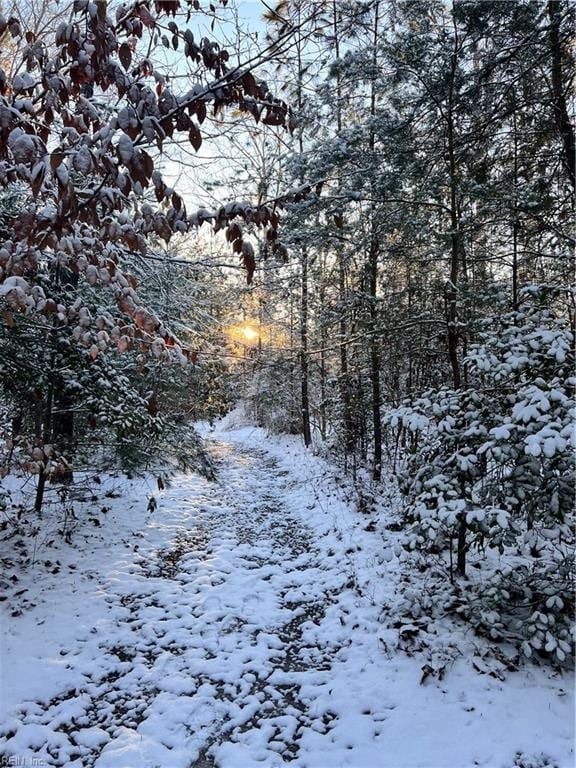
pixel 125 55
pixel 195 137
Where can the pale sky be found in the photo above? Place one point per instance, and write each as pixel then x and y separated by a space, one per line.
pixel 240 19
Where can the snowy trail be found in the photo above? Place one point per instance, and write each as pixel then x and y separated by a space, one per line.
pixel 205 637
pixel 242 629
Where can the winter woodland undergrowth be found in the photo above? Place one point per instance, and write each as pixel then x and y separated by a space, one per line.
pixel 359 222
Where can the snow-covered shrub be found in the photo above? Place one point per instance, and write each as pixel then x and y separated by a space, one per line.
pixel 118 411
pixel 492 466
pixel 443 470
pixel 531 606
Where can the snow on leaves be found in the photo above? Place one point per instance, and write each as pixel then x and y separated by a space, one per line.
pixel 500 457
pixel 80 168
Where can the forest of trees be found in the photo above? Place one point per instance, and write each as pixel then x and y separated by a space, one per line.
pixel 375 253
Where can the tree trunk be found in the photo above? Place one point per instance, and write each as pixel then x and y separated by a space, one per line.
pixel 323 369
pixel 452 286
pixel 565 127
pixel 515 215
pixel 305 397
pixel 375 362
pixel 461 548
pixel 46 436
pixel 304 375
pixel 344 378
pixel 374 252
pixel 452 294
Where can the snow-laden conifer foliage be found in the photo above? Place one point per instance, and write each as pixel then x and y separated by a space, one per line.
pixel 492 467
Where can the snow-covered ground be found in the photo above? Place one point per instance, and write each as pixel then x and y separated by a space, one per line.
pixel 250 622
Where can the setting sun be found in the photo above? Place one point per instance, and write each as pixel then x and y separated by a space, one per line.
pixel 244 333
pixel 249 333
